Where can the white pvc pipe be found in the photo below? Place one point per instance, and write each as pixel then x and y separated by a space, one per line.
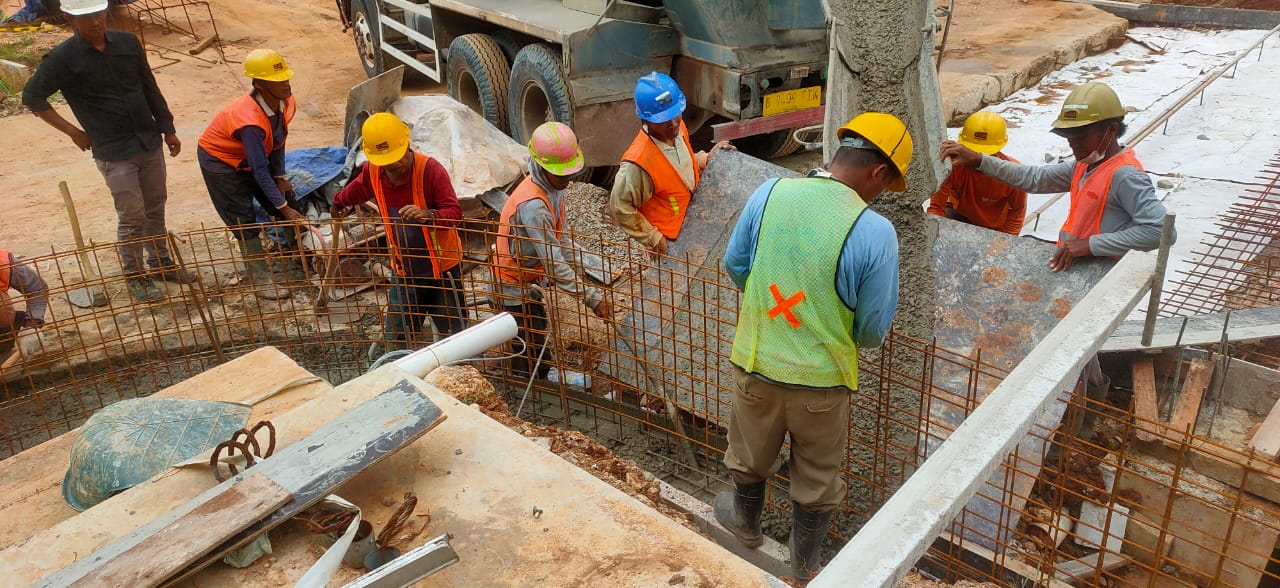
pixel 495 331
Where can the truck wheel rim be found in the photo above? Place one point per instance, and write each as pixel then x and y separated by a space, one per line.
pixel 364 39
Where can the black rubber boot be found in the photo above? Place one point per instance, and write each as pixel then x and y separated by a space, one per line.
pixel 808 530
pixel 739 512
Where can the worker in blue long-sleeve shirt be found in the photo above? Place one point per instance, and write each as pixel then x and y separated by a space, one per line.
pixel 241 156
pixel 819 276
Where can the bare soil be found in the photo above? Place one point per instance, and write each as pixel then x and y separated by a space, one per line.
pixel 1246 4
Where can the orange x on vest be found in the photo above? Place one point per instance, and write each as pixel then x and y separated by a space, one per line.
pixel 784 305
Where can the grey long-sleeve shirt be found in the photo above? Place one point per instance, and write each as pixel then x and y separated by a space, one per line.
pixel 1132 218
pixel 24 279
pixel 537 244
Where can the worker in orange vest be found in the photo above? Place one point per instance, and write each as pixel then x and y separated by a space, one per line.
pixel 531 242
pixel 1114 207
pixel 420 211
pixel 241 156
pixel 23 278
pixel 972 197
pixel 660 170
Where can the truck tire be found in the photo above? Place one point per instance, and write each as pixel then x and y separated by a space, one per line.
pixel 769 145
pixel 364 27
pixel 539 91
pixel 478 75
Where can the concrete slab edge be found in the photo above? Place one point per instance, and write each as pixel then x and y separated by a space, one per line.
pixel 772 557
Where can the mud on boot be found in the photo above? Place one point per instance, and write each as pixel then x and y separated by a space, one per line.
pixel 739 512
pixel 808 531
pixel 259 273
pixel 143 289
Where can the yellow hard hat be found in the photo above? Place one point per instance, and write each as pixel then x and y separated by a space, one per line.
pixel 267 65
pixel 889 136
pixel 984 132
pixel 385 139
pixel 1087 104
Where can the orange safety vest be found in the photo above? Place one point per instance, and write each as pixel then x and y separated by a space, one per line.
pixel 244 111
pixel 505 264
pixel 1089 198
pixel 446 247
pixel 666 208
pixel 6 305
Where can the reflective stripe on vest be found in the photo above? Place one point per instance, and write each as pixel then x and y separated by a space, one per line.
pixel 668 204
pixel 1089 198
pixel 506 264
pixel 217 138
pixel 446 247
pixel 793 327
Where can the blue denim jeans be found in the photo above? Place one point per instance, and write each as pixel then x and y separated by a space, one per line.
pixel 412 300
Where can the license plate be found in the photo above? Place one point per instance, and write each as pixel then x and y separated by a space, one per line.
pixel 792 100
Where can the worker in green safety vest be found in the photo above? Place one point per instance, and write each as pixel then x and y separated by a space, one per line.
pixel 819 276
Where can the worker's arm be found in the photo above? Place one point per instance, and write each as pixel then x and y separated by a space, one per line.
pixel 36 292
pixel 47 80
pixel 1036 179
pixel 357 191
pixel 741 250
pixel 155 100
pixel 255 154
pixel 631 188
pixel 1017 211
pixel 867 278
pixel 938 203
pixel 1132 192
pixel 444 199
pixel 535 220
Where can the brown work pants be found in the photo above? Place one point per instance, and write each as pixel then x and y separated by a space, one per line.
pixel 139 190
pixel 818 421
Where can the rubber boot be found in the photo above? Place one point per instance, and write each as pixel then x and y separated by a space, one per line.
pixel 255 264
pixel 739 512
pixel 288 263
pixel 808 530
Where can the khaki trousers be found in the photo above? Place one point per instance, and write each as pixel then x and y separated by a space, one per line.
pixel 138 188
pixel 818 421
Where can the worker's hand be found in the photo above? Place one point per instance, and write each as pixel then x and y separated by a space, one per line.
pixel 285 187
pixel 175 146
pixel 417 214
pixel 959 154
pixel 81 139
pixel 1071 249
pixel 604 309
pixel 292 215
pixel 725 145
pixel 336 211
pixel 659 249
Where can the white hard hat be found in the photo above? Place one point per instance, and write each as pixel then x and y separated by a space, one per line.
pixel 79 7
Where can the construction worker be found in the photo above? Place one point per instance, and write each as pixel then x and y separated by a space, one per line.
pixel 531 243
pixel 241 155
pixel 420 212
pixel 819 276
pixel 976 198
pixel 109 86
pixel 20 277
pixel 659 171
pixel 1113 204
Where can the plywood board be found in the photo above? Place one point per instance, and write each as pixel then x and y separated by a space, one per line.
pixel 480 482
pixel 1188 406
pixel 1144 398
pixel 30 482
pixel 1267 440
pixel 195 534
pixel 56 546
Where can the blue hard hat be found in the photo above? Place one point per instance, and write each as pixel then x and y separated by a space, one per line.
pixel 658 98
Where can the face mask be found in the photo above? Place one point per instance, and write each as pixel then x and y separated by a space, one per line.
pixel 1098 153
pixel 645 128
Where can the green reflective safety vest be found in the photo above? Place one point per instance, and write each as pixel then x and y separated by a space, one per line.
pixel 792 327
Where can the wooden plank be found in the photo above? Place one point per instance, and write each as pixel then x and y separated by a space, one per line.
pixel 1144 398
pixel 1188 406
pixel 1267 440
pixel 309 469
pixel 164 553
pixel 30 482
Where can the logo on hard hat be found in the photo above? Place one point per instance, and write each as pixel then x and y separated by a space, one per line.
pixel 1070 114
pixel 279 66
pixel 980 135
pixel 663 99
pixel 382 147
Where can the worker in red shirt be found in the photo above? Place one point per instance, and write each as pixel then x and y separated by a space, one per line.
pixel 973 197
pixel 420 212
